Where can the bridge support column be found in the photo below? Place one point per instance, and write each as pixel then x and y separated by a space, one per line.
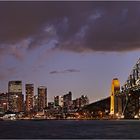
pixel 115 104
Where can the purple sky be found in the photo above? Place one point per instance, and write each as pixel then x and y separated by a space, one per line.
pixel 68 46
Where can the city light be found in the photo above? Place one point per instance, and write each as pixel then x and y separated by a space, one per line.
pixel 36 106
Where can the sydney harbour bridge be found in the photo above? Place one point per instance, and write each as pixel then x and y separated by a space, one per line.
pixel 124 101
pixel 127 100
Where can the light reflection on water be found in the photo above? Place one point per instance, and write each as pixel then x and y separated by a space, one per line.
pixel 70 129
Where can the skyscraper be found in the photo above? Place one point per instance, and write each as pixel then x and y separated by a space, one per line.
pixel 42 98
pixel 67 102
pixel 35 103
pixel 15 96
pixel 58 101
pixel 83 101
pixel 3 102
pixel 80 102
pixel 29 96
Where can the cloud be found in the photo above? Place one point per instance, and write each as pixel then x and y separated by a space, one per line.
pixel 75 26
pixel 54 72
pixel 107 30
pixel 6 73
pixel 18 49
pixel 65 71
pixel 72 70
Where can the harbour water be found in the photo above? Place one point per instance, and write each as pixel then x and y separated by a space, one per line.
pixel 68 129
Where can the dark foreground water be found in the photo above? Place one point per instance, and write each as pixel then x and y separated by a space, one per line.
pixel 69 129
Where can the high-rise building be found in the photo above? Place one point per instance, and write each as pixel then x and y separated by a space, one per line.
pixel 35 103
pixel 83 100
pixel 80 102
pixel 50 105
pixel 42 98
pixel 3 102
pixel 29 96
pixel 67 101
pixel 58 101
pixel 61 102
pixel 75 103
pixel 15 96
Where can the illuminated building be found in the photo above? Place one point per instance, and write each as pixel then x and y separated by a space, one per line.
pixel 75 103
pixel 29 96
pixel 83 101
pixel 80 102
pixel 61 102
pixel 15 96
pixel 67 102
pixel 58 101
pixel 50 105
pixel 35 105
pixel 3 102
pixel 42 98
pixel 115 88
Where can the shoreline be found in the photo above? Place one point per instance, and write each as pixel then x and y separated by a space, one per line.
pixel 41 119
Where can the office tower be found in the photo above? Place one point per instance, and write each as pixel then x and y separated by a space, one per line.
pixel 61 102
pixel 58 101
pixel 83 100
pixel 75 103
pixel 80 102
pixel 35 105
pixel 3 102
pixel 50 105
pixel 67 101
pixel 42 98
pixel 15 96
pixel 29 97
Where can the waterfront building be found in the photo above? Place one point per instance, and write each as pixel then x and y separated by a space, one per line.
pixel 61 101
pixel 35 104
pixel 75 103
pixel 3 102
pixel 67 102
pixel 15 96
pixel 80 102
pixel 58 101
pixel 83 100
pixel 50 105
pixel 42 98
pixel 29 97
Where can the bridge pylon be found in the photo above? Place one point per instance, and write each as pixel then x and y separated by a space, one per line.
pixel 115 103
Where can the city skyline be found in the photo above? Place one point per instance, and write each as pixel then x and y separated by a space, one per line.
pixel 68 46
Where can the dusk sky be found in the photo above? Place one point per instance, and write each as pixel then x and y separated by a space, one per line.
pixel 69 46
